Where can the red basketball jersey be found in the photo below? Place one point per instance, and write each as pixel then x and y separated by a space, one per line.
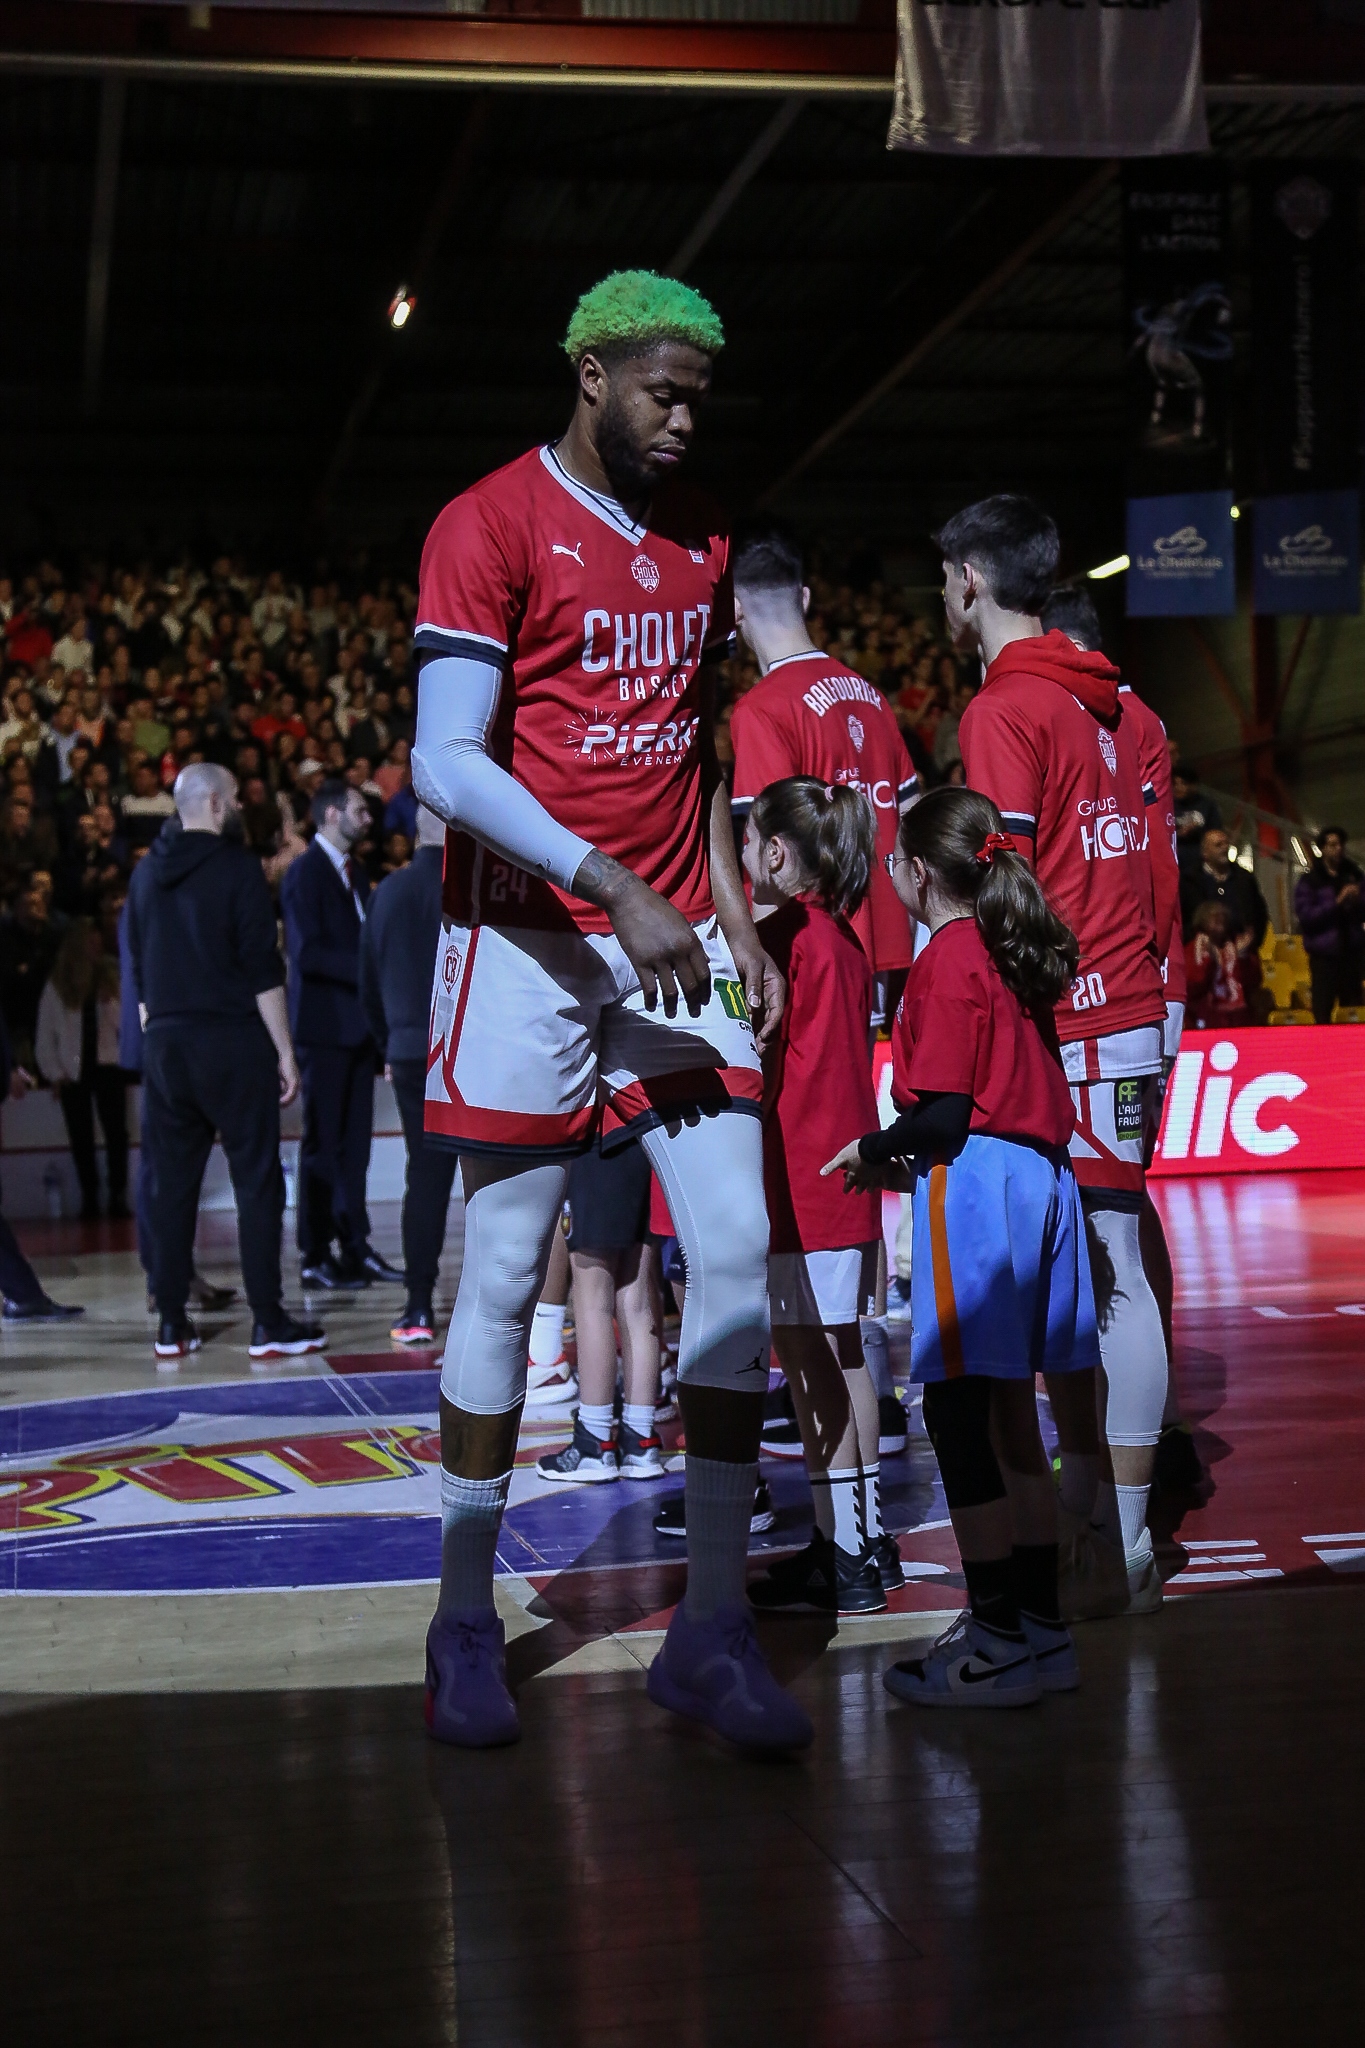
pixel 600 627
pixel 1155 758
pixel 1047 742
pixel 811 715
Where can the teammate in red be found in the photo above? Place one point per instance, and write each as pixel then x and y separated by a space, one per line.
pixel 1070 611
pixel 813 715
pixel 1046 739
pixel 809 850
pixel 598 967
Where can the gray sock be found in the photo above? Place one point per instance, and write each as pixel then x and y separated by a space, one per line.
pixel 877 1356
pixel 471 1516
pixel 719 1506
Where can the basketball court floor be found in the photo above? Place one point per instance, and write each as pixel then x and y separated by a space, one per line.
pixel 220 1819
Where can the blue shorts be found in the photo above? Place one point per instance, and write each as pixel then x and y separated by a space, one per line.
pixel 1000 1278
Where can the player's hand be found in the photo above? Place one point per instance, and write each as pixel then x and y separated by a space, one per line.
pixel 659 943
pixel 765 991
pixel 858 1174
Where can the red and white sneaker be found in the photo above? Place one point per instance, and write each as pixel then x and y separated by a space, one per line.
pixel 640 1457
pixel 551 1386
pixel 174 1341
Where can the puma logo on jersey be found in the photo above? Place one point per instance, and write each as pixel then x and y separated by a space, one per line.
pixel 574 553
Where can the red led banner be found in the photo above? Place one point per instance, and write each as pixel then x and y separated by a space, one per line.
pixel 1270 1101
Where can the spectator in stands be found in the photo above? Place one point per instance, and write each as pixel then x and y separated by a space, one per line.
pixel 1195 812
pixel 29 938
pixel 1329 904
pixel 1218 879
pixel 1223 972
pixel 20 1287
pixel 146 808
pixel 76 1046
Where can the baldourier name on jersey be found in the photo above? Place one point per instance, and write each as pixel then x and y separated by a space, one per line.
pixel 823 696
pixel 644 640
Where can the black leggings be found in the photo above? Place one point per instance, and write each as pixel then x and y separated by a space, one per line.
pixel 957 1419
pixel 106 1092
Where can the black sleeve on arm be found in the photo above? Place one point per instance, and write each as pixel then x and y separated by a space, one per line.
pixel 257 932
pixel 937 1123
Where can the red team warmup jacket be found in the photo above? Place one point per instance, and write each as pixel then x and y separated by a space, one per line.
pixel 1155 757
pixel 1047 740
pixel 811 715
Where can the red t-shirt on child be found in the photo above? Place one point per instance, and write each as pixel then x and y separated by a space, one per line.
pixel 960 1031
pixel 818 1093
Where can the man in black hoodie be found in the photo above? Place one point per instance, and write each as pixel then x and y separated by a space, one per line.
pixel 217 1055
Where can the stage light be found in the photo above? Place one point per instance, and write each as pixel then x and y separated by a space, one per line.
pixel 1114 568
pixel 402 306
pixel 1236 511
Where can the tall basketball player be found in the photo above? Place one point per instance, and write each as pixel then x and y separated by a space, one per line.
pixel 598 967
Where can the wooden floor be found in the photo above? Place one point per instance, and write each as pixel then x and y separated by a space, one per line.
pixel 1170 1856
pixel 220 1821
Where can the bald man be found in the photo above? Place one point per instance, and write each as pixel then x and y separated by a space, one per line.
pixel 217 1055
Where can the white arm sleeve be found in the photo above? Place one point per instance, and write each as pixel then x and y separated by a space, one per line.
pixel 457 702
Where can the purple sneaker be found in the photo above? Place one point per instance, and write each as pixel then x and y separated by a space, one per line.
pixel 467 1701
pixel 713 1671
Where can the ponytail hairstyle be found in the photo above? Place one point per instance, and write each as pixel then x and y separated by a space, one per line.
pixel 831 830
pixel 957 834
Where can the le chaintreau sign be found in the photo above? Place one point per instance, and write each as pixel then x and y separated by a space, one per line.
pixel 1049 78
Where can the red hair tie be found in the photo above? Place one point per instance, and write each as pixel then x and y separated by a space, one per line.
pixel 995 842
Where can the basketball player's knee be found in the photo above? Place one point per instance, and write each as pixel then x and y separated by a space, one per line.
pixel 507 1228
pixel 1132 1341
pixel 727 1333
pixel 957 1420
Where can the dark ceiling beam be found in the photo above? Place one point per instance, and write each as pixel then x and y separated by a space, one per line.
pixel 108 150
pixel 744 172
pixel 978 295
pixel 451 188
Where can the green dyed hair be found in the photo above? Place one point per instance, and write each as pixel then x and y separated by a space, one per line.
pixel 640 306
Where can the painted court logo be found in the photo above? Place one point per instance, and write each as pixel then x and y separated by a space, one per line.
pixel 645 572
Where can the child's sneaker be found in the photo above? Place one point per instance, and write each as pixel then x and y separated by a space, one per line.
pixel 889 1566
pixel 713 1671
pixel 971 1665
pixel 640 1457
pixel 584 1461
pixel 821 1579
pixel 671 1519
pixel 467 1701
pixel 893 1426
pixel 1145 1590
pixel 551 1386
pixel 1053 1652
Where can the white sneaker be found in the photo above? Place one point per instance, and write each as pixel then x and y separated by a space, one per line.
pixel 551 1386
pixel 640 1457
pixel 1092 1583
pixel 1145 1590
pixel 971 1665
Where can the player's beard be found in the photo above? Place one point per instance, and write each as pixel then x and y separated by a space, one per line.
pixel 627 470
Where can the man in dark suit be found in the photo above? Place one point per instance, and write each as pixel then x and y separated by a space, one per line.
pixel 20 1288
pixel 324 896
pixel 397 960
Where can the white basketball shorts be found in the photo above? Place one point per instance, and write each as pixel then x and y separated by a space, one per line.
pixel 539 1039
pixel 822 1289
pixel 1116 1091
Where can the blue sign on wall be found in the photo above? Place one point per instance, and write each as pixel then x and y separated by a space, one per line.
pixel 1180 558
pixel 1308 553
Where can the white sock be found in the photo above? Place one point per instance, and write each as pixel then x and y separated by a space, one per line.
pixel 1104 1516
pixel 640 1419
pixel 1080 1482
pixel 871 1501
pixel 471 1515
pixel 719 1505
pixel 598 1421
pixel 1132 1514
pixel 876 1354
pixel 841 1490
pixel 547 1333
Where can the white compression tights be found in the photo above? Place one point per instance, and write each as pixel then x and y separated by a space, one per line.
pixel 712 1174
pixel 1133 1347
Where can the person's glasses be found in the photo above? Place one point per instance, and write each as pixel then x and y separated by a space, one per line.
pixel 892 861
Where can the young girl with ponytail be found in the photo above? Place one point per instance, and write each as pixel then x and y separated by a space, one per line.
pixel 1001 1286
pixel 808 853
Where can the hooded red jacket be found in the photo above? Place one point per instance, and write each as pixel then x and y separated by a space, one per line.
pixel 1048 742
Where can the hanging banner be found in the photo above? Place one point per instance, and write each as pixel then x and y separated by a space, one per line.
pixel 1087 78
pixel 1307 553
pixel 1175 261
pixel 1304 236
pixel 1180 556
